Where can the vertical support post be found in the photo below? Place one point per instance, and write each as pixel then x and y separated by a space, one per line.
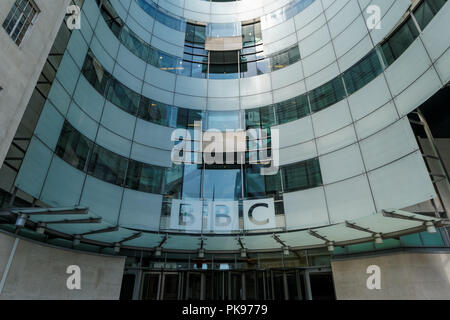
pixel 8 265
pixel 202 285
pixel 285 286
pixel 308 292
pixel 244 292
pixel 187 286
pixel 299 285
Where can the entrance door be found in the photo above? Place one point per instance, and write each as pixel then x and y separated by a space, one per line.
pixel 195 286
pixel 170 284
pixel 151 286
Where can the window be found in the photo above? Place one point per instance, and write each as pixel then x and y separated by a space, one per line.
pixel 292 109
pixel 399 41
pixel 95 74
pixel 123 97
pixel 285 58
pixel 73 147
pixel 223 65
pixel 144 177
pixel 363 72
pixel 327 94
pixel 156 112
pixel 251 34
pixel 134 43
pixel 263 117
pixel 107 166
pixel 427 10
pixel 20 18
pixel 111 17
pixel 302 175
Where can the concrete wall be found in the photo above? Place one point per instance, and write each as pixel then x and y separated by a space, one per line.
pixel 38 271
pixel 403 276
pixel 22 65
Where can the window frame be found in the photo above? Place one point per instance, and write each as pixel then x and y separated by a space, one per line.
pixel 28 23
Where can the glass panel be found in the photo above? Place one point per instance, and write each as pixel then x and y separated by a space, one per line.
pixel 170 290
pixel 223 120
pixel 156 112
pixel 292 109
pixel 363 72
pixel 107 166
pixel 222 184
pixel 327 94
pixel 426 11
pixel 295 177
pixel 399 41
pixel 130 40
pixel 192 178
pixel 223 30
pixel 173 181
pixel 150 286
pixel 257 185
pixel 73 147
pixel 144 177
pixel 123 97
pixel 95 74
pixel 111 18
pixel 302 175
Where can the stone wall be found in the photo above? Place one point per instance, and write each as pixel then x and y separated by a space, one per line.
pixel 38 271
pixel 403 276
pixel 22 65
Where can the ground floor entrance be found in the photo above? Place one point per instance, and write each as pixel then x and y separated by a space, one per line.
pixel 271 284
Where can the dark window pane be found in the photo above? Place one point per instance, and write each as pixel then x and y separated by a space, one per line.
pixel 362 73
pixel 302 175
pixel 427 10
pixel 107 166
pixel 173 181
pixel 155 112
pixel 95 74
pixel 130 40
pixel 123 97
pixel 267 116
pixel 399 41
pixel 252 118
pixel 327 94
pixel 73 147
pixel 292 109
pixel 144 177
pixel 295 177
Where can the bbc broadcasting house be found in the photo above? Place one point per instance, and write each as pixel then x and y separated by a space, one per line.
pixel 336 185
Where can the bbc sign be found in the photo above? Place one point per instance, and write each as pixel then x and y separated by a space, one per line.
pixel 221 216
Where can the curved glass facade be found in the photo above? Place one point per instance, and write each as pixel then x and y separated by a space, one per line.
pixel 194 62
pixel 334 115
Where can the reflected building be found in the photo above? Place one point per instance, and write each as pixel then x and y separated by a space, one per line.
pixel 352 170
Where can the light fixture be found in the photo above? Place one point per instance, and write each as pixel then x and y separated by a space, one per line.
pixel 378 238
pixel 201 253
pixel 243 253
pixel 40 228
pixel 158 252
pixel 430 227
pixel 330 246
pixel 116 247
pixel 286 251
pixel 21 220
pixel 76 240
